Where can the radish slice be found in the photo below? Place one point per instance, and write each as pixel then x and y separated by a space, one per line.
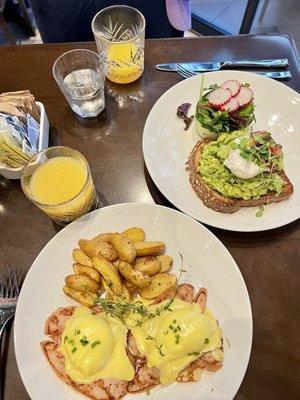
pixel 218 97
pixel 231 106
pixel 233 85
pixel 245 96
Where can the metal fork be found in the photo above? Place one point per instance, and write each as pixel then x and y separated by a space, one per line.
pixel 10 286
pixel 186 73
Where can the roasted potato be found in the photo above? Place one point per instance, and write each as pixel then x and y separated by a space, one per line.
pixel 166 262
pixel 135 234
pixel 159 283
pixel 87 271
pixel 112 296
pixel 98 248
pixel 124 247
pixel 82 283
pixel 132 288
pixel 86 299
pixel 109 273
pixel 148 248
pixel 149 265
pixel 107 288
pixel 134 276
pixel 81 258
pixel 104 237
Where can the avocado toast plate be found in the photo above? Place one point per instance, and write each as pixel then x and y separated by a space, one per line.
pixel 167 147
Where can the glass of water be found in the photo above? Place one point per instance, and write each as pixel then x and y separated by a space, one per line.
pixel 80 76
pixel 120 37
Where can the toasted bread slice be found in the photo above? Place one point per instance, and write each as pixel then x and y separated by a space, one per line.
pixel 213 199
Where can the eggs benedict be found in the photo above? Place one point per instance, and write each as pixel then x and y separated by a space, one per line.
pixel 94 347
pixel 176 336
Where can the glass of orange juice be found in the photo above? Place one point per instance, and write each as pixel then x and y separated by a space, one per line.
pixel 59 182
pixel 120 37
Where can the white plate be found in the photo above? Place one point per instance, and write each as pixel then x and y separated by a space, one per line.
pixel 206 260
pixel 166 147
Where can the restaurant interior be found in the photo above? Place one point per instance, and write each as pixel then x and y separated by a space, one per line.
pixel 149 199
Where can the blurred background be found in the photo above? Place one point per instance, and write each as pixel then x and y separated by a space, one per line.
pixel 38 21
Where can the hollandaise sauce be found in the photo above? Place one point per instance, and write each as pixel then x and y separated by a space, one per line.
pixel 176 336
pixel 94 347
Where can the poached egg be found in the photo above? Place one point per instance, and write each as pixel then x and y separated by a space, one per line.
pixel 94 346
pixel 176 336
pixel 241 167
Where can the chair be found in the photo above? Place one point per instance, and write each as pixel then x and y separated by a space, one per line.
pixel 8 35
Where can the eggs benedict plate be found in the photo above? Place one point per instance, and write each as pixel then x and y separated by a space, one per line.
pixel 173 339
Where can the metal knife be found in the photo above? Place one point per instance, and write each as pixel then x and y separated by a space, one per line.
pixel 216 66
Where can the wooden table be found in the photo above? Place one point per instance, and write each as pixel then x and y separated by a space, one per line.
pixel 269 261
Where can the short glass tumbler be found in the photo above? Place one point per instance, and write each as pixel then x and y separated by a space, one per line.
pixel 120 37
pixel 80 76
pixel 59 182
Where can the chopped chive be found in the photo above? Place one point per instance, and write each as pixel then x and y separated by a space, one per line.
pixel 74 349
pixel 84 341
pixel 65 339
pixel 206 341
pixel 95 343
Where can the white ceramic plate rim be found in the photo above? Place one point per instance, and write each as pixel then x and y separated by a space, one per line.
pixel 205 216
pixel 115 208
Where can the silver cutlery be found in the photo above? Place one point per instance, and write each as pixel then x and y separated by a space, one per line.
pixel 280 75
pixel 10 286
pixel 206 66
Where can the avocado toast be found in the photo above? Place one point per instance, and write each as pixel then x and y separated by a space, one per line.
pixel 238 170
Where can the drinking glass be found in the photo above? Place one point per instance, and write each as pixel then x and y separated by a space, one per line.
pixel 59 182
pixel 80 76
pixel 120 37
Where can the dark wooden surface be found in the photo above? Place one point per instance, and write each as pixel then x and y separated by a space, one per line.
pixel 269 261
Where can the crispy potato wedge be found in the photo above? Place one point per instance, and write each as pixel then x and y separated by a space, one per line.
pixel 148 248
pixel 98 248
pixel 82 283
pixel 135 234
pixel 126 293
pixel 124 247
pixel 166 262
pixel 104 237
pixel 134 276
pixel 109 273
pixel 159 283
pixel 87 271
pixel 107 288
pixel 150 265
pixel 112 296
pixel 81 258
pixel 86 299
pixel 132 288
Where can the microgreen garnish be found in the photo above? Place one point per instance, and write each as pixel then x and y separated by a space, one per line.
pixel 84 341
pixel 65 339
pixel 260 211
pixel 77 332
pixel 95 343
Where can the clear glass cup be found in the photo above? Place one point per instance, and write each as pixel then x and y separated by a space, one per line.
pixel 59 182
pixel 120 37
pixel 80 76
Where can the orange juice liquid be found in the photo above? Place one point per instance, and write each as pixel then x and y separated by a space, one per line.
pixel 124 64
pixel 58 185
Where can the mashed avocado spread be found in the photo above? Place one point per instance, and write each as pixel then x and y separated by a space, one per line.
pixel 218 176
